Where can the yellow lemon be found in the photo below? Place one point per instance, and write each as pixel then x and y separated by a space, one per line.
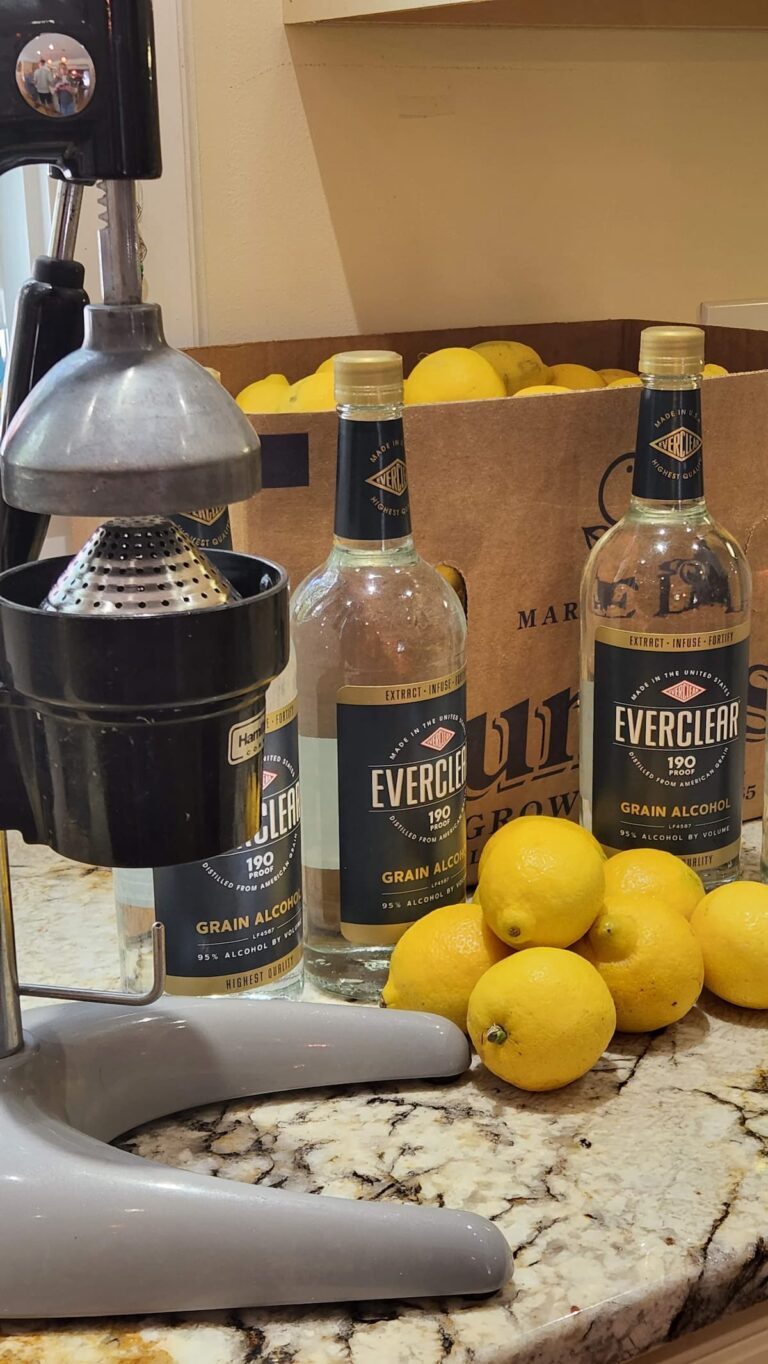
pixel 453 375
pixel 575 376
pixel 326 367
pixel 541 882
pixel 649 871
pixel 541 1018
pixel 731 924
pixel 634 382
pixel 456 581
pixel 609 376
pixel 439 960
pixel 650 960
pixel 500 836
pixel 517 365
pixel 266 395
pixel 313 394
pixel 540 388
pixel 714 372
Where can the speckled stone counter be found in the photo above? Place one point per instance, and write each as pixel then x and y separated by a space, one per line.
pixel 635 1201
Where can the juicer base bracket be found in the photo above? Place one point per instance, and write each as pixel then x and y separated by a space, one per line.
pixel 97 1231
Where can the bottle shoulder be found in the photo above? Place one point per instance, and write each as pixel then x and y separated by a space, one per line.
pixel 650 538
pixel 679 572
pixel 410 587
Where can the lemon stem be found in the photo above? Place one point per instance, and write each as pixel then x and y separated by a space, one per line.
pixel 496 1034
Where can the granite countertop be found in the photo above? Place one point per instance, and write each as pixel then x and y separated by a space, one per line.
pixel 635 1201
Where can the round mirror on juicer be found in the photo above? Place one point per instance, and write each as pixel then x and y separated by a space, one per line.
pixel 55 75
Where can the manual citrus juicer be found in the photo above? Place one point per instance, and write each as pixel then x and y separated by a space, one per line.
pixel 132 687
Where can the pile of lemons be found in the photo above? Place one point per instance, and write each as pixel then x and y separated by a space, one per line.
pixel 561 947
pixel 492 369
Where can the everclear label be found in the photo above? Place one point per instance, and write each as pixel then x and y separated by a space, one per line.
pixel 208 527
pixel 371 481
pixel 669 457
pixel 402 760
pixel 235 922
pixel 669 730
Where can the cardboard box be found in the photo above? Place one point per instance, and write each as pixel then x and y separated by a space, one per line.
pixel 513 494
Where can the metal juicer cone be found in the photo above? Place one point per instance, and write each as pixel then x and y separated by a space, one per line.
pixel 145 565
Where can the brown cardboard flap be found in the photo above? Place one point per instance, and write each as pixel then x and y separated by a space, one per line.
pixel 614 342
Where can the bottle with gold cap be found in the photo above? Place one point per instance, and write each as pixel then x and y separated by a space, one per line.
pixel 380 645
pixel 665 604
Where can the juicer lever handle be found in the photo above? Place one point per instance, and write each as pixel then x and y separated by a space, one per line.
pixel 48 325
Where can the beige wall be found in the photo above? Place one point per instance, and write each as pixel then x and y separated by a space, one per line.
pixel 357 178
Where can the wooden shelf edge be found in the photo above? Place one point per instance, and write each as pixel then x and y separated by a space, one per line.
pixel 576 14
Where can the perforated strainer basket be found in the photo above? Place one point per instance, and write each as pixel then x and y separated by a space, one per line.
pixel 145 564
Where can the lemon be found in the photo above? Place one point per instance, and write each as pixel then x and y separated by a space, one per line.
pixel 326 367
pixel 634 382
pixel 439 960
pixel 649 871
pixel 714 372
pixel 313 394
pixel 731 924
pixel 575 376
pixel 266 395
pixel 540 388
pixel 650 960
pixel 454 580
pixel 453 375
pixel 541 882
pixel 541 1018
pixel 517 365
pixel 609 376
pixel 500 836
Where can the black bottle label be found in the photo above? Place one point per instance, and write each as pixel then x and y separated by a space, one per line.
pixel 371 482
pixel 668 753
pixel 234 922
pixel 208 528
pixel 669 463
pixel 402 761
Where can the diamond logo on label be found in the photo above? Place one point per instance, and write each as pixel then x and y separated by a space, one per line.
pixel 267 779
pixel 205 515
pixel 679 444
pixel 438 738
pixel 393 479
pixel 683 691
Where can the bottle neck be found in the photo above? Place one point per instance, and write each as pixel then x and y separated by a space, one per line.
pixel 669 463
pixel 372 507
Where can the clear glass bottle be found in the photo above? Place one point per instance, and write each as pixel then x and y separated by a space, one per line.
pixel 380 643
pixel 665 605
pixel 233 923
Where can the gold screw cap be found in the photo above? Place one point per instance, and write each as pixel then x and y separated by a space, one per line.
pixel 671 350
pixel 368 378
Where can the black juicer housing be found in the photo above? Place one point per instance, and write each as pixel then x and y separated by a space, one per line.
pixel 175 775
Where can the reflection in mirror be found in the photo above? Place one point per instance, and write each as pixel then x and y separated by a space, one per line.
pixel 55 75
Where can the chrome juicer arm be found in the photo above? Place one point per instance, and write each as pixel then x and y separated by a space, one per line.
pixel 119 243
